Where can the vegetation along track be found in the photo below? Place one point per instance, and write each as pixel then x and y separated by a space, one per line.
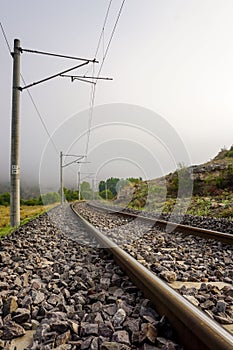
pixel 196 329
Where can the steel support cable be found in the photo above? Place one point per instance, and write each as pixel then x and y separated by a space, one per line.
pixel 93 91
pixel 30 96
pixel 73 162
pixel 54 76
pixel 102 31
pixel 5 37
pixel 103 28
pixel 111 37
pixel 57 55
pixel 92 100
pixel 40 117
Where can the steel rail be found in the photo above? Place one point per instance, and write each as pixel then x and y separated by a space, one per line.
pixel 174 227
pixel 195 330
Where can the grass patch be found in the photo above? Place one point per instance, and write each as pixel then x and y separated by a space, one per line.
pixel 27 213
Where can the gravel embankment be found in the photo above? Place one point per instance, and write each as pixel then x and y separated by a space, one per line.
pixel 72 295
pixel 176 257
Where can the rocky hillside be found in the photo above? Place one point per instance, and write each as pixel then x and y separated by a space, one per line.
pixel 211 178
pixel 212 188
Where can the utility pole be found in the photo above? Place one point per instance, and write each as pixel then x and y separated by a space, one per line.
pixel 93 189
pixel 106 190
pixel 15 124
pixel 79 195
pixel 61 179
pixel 77 160
pixel 15 140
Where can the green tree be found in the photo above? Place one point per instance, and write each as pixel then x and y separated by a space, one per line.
pixel 101 186
pixel 111 185
pixel 5 199
pixel 109 194
pixel 180 181
pixel 50 197
pixel 70 194
pixel 134 180
pixel 86 190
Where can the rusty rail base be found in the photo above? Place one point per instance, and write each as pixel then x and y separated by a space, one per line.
pixel 195 330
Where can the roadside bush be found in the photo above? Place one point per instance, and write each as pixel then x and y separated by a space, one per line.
pixel 31 202
pixel 50 198
pixel 109 194
pixel 5 199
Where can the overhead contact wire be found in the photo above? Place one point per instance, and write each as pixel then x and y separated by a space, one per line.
pixel 93 91
pixel 5 37
pixel 111 37
pixel 93 87
pixel 102 31
pixel 92 100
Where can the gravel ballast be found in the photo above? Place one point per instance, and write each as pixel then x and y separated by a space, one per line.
pixel 56 283
pixel 175 257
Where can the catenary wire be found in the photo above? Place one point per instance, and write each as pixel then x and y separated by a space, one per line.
pixel 5 37
pixel 102 32
pixel 103 28
pixel 92 100
pixel 93 90
pixel 111 37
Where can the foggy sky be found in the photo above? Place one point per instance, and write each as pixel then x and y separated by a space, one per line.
pixel 172 58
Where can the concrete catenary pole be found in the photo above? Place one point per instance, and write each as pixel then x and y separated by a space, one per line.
pixel 93 189
pixel 79 194
pixel 106 190
pixel 61 179
pixel 15 140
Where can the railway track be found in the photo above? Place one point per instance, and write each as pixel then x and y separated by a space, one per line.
pixel 171 226
pixel 195 329
pixel 60 290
